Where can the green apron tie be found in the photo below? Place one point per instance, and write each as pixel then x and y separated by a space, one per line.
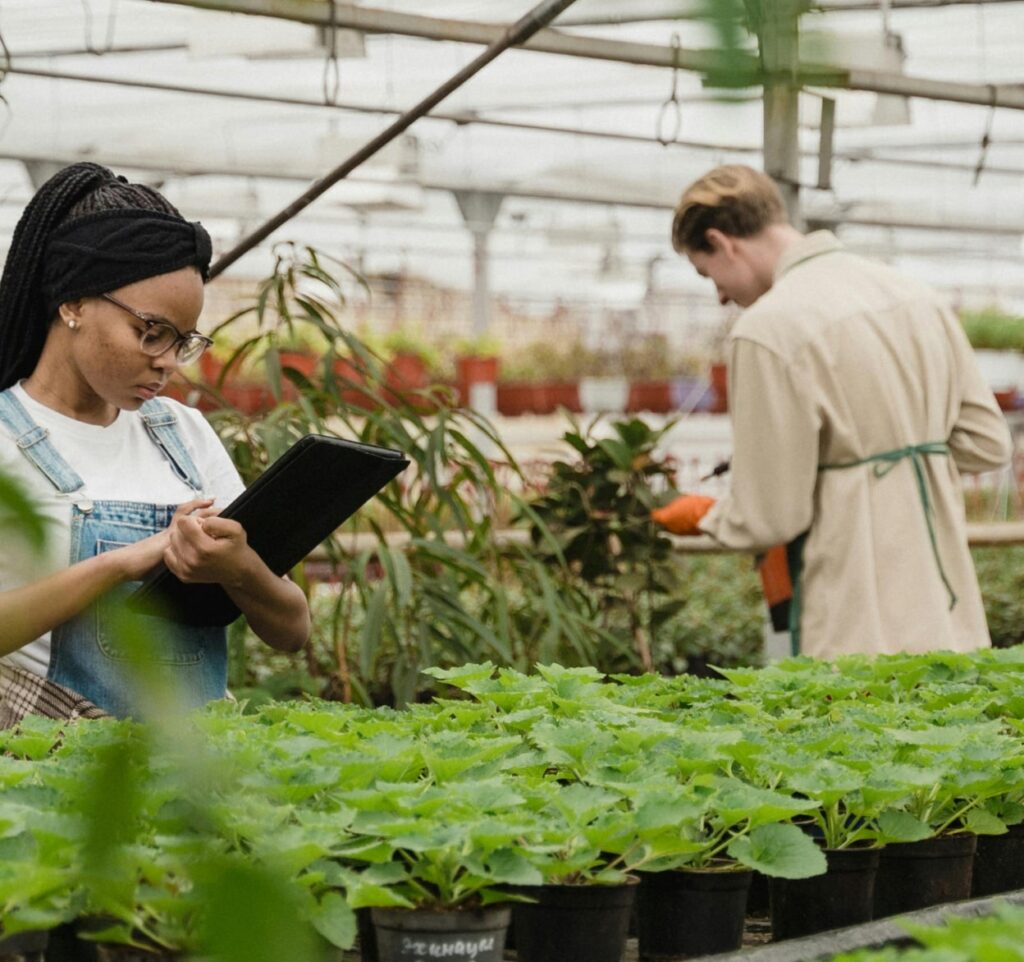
pixel 883 464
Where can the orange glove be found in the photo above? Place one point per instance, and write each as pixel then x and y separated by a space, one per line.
pixel 681 516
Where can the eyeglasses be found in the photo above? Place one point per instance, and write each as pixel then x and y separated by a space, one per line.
pixel 160 336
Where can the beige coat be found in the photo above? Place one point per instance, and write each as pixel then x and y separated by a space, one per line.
pixel 843 359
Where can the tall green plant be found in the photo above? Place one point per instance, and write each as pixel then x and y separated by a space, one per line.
pixel 446 592
pixel 598 509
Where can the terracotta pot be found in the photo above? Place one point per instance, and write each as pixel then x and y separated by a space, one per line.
pixel 655 396
pixel 1007 399
pixel 305 364
pixel 564 394
pixel 473 369
pixel 720 387
pixel 407 372
pixel 523 397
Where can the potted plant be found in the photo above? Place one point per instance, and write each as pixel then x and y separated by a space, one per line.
pixel 999 859
pixel 583 846
pixel 947 774
pixel 998 340
pixel 713 835
pixel 845 826
pixel 436 866
pixel 539 378
pixel 648 363
pixel 476 371
pixel 411 358
pixel 593 516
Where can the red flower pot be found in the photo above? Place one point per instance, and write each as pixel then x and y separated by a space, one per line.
pixel 653 396
pixel 523 397
pixel 564 394
pixel 1007 399
pixel 720 386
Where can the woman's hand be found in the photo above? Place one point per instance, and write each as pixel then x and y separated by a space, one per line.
pixel 207 549
pixel 203 548
pixel 137 559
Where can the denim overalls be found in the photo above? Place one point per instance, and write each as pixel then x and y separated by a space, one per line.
pixel 93 652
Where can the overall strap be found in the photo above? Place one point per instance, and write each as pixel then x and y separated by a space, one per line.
pixel 162 426
pixel 35 444
pixel 915 453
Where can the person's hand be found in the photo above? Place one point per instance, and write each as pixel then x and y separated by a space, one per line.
pixel 682 515
pixel 204 548
pixel 137 559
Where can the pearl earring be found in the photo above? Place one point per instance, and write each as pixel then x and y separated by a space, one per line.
pixel 72 323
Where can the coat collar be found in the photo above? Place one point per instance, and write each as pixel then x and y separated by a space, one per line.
pixel 810 245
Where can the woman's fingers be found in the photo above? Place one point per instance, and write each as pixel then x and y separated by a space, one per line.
pixel 198 504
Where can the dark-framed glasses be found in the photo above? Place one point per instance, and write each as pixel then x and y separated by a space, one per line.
pixel 160 336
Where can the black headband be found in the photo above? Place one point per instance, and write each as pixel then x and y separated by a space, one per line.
pixel 105 250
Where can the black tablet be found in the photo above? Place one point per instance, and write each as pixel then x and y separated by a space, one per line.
pixel 292 507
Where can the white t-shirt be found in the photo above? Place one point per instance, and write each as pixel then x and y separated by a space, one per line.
pixel 119 462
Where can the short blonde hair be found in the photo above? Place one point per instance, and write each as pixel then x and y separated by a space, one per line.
pixel 735 199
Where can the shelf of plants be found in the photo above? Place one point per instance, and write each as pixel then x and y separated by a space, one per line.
pixel 561 795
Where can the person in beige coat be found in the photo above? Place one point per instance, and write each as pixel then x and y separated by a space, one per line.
pixel 856 403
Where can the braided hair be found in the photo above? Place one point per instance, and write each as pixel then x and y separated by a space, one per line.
pixel 73 192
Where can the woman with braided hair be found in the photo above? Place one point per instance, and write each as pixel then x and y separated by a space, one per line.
pixel 99 300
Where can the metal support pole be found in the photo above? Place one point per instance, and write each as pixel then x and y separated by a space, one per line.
pixel 825 140
pixel 479 211
pixel 780 56
pixel 536 19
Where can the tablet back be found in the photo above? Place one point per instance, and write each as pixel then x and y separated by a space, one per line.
pixel 294 505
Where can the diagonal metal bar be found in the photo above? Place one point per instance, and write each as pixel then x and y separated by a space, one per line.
pixel 536 19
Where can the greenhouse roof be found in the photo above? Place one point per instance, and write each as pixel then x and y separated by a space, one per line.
pixel 234 115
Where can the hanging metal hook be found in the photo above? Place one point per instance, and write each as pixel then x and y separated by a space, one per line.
pixel 671 110
pixel 986 138
pixel 108 42
pixel 332 75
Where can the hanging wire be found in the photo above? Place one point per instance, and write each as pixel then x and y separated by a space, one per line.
pixel 108 42
pixel 986 138
pixel 332 73
pixel 671 113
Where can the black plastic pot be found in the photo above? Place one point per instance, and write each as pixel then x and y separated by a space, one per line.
pixel 843 896
pixel 367 935
pixel 567 923
pixel 27 946
pixel 686 913
pixel 759 896
pixel 914 875
pixel 411 935
pixel 127 953
pixel 999 863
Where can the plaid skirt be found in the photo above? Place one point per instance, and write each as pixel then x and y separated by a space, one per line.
pixel 24 693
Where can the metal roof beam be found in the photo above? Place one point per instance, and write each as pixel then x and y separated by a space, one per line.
pixel 666 202
pixel 708 62
pixel 611 12
pixel 465 119
pixel 318 13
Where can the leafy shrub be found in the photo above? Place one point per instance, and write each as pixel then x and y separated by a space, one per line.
pixel 994 329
